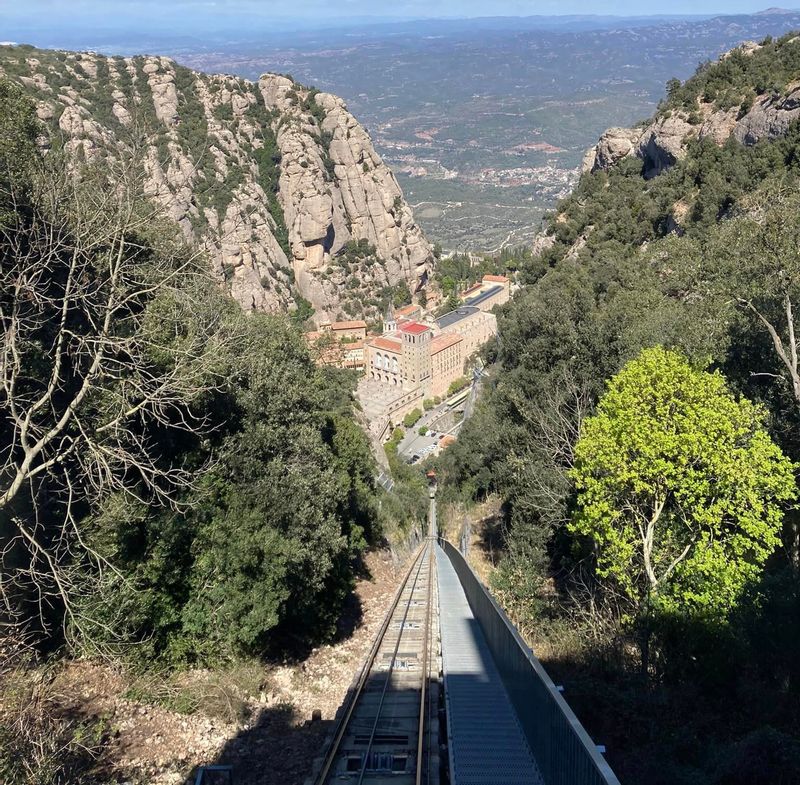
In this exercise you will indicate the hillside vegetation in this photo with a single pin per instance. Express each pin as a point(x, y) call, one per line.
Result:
point(180, 485)
point(273, 179)
point(667, 603)
point(151, 427)
point(741, 76)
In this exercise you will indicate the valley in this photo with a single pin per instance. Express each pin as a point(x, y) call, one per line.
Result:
point(484, 123)
point(359, 435)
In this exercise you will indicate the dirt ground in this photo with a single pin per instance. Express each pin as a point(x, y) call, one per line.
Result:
point(276, 743)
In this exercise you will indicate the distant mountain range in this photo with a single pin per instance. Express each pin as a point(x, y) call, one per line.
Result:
point(486, 120)
point(168, 29)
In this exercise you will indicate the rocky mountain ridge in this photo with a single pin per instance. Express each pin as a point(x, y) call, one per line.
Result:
point(663, 141)
point(279, 182)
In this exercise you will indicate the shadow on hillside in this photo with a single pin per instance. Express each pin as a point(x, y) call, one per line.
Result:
point(290, 648)
point(279, 749)
point(281, 746)
point(723, 703)
point(491, 540)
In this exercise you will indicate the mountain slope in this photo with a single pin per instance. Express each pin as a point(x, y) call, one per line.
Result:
point(278, 181)
point(713, 140)
point(696, 252)
point(751, 93)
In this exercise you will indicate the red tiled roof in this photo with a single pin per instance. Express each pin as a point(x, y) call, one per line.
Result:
point(496, 278)
point(406, 310)
point(387, 344)
point(442, 342)
point(356, 325)
point(415, 328)
point(471, 289)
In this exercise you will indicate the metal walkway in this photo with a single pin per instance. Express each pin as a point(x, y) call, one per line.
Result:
point(485, 740)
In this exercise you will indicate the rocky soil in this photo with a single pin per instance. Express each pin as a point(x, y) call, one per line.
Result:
point(275, 741)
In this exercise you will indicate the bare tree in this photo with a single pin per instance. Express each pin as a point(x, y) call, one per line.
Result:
point(762, 275)
point(95, 357)
point(762, 249)
point(552, 426)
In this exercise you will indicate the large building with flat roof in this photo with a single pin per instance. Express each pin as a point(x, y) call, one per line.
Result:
point(474, 325)
point(492, 290)
point(413, 360)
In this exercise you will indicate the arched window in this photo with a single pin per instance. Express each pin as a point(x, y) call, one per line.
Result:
point(394, 364)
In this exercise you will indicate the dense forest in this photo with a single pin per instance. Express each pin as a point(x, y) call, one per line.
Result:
point(641, 432)
point(180, 485)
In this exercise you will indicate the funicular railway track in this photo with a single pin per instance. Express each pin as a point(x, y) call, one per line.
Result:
point(387, 731)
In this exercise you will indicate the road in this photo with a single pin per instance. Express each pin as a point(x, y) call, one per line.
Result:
point(413, 443)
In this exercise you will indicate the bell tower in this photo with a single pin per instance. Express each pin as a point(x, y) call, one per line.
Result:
point(389, 322)
point(417, 355)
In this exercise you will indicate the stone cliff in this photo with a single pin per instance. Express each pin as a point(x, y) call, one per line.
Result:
point(663, 141)
point(335, 190)
point(277, 181)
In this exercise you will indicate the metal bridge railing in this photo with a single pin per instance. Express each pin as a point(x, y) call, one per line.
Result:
point(563, 749)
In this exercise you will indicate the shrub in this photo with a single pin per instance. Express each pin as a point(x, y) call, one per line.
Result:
point(457, 385)
point(412, 418)
point(37, 746)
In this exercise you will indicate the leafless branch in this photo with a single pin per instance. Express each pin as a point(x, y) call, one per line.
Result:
point(87, 373)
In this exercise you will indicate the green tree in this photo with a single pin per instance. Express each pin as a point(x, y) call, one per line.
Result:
point(261, 558)
point(450, 304)
point(401, 295)
point(755, 259)
point(303, 313)
point(680, 488)
point(457, 385)
point(411, 418)
point(19, 127)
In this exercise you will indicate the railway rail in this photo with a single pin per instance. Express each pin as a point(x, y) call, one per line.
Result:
point(388, 730)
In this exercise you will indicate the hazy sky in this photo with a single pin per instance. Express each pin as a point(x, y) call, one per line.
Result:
point(112, 12)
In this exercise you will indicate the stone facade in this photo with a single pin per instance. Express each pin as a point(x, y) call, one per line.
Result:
point(413, 360)
point(341, 330)
point(416, 361)
point(384, 360)
point(431, 356)
point(447, 363)
point(475, 326)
